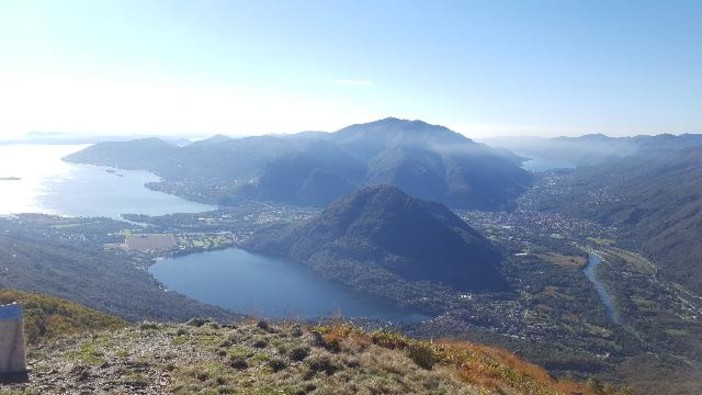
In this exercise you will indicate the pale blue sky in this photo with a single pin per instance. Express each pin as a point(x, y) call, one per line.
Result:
point(250, 67)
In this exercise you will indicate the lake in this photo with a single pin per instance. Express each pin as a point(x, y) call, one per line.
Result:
point(538, 164)
point(267, 287)
point(48, 185)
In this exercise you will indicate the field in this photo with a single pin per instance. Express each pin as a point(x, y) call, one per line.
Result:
point(150, 242)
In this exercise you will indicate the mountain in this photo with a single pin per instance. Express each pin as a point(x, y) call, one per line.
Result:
point(655, 202)
point(432, 162)
point(313, 168)
point(597, 148)
point(315, 175)
point(379, 236)
point(147, 154)
point(225, 161)
point(63, 138)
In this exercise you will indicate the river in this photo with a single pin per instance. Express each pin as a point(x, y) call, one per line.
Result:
point(591, 273)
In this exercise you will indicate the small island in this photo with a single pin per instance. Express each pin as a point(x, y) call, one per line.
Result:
point(113, 171)
point(10, 178)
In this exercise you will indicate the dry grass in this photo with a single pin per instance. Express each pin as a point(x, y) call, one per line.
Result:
point(150, 242)
point(259, 358)
point(491, 369)
point(570, 261)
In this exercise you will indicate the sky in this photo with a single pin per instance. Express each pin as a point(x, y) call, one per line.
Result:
point(482, 68)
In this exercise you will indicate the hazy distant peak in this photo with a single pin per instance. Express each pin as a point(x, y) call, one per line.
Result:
point(407, 130)
point(219, 137)
point(152, 139)
point(586, 137)
point(142, 143)
point(407, 124)
point(597, 137)
point(216, 139)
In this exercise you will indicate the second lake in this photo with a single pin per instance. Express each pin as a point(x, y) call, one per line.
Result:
point(267, 287)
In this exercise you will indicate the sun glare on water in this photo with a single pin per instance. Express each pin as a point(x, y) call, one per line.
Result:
point(24, 172)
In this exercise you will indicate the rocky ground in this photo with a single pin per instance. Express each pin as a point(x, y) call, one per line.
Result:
point(209, 359)
point(202, 357)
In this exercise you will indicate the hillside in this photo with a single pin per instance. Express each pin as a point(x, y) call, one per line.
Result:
point(56, 256)
point(47, 317)
point(428, 161)
point(261, 358)
point(380, 236)
point(655, 202)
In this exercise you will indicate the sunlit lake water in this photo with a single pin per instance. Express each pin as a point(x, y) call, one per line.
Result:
point(48, 185)
point(267, 287)
point(537, 164)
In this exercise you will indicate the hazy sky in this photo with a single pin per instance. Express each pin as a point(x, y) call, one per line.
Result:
point(487, 67)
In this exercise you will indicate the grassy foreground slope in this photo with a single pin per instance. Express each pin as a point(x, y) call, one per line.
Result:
point(259, 358)
point(81, 350)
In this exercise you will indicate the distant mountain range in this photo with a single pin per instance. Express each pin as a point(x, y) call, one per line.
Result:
point(314, 168)
point(61, 138)
point(595, 148)
point(381, 240)
point(655, 200)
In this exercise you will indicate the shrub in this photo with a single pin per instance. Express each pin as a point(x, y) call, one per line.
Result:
point(422, 355)
point(277, 365)
point(238, 363)
point(299, 353)
point(322, 364)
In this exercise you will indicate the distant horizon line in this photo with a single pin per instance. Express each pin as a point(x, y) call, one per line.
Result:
point(28, 137)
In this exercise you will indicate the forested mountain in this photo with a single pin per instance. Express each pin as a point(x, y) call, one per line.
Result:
point(427, 161)
point(380, 236)
point(655, 201)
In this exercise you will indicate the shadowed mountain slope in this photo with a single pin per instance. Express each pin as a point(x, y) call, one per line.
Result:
point(384, 229)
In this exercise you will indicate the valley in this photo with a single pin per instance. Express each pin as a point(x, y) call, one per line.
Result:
point(359, 197)
point(572, 290)
point(552, 314)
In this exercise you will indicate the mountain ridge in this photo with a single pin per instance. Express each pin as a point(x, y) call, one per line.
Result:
point(317, 168)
